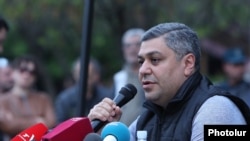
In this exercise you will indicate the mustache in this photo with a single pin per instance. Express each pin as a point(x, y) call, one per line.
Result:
point(148, 79)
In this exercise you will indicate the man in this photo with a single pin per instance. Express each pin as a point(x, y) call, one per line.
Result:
point(180, 101)
point(6, 81)
point(4, 28)
point(247, 72)
point(67, 101)
point(131, 42)
point(234, 63)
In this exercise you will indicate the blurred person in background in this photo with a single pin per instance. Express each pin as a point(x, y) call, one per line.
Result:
point(6, 81)
point(24, 106)
point(131, 42)
point(4, 28)
point(67, 102)
point(247, 72)
point(234, 63)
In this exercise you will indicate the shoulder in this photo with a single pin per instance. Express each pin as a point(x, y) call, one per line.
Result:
point(219, 109)
point(221, 84)
point(132, 129)
point(104, 91)
point(69, 92)
point(41, 95)
point(246, 85)
point(215, 110)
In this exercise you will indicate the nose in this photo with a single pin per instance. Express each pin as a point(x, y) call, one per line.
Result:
point(144, 69)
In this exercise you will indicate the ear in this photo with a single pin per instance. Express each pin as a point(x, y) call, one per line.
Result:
point(189, 63)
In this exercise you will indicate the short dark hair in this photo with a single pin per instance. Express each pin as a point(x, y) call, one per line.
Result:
point(3, 24)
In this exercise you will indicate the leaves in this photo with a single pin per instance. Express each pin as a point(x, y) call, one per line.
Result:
point(52, 30)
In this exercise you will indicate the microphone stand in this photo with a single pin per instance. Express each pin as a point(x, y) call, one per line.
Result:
point(85, 51)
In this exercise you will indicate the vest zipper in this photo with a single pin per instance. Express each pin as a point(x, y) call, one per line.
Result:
point(159, 127)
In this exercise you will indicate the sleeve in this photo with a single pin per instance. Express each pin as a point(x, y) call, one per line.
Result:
point(132, 130)
point(215, 110)
point(59, 109)
point(49, 116)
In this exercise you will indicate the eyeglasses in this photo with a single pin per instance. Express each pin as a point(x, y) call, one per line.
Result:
point(25, 69)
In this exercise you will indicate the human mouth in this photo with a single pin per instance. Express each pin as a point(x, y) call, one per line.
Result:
point(147, 84)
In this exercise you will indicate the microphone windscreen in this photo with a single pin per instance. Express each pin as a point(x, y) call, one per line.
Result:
point(33, 133)
point(126, 93)
point(93, 137)
point(73, 129)
point(116, 129)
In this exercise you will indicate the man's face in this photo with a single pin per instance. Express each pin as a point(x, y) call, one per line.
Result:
point(3, 34)
point(93, 76)
point(234, 72)
point(131, 48)
point(160, 73)
point(6, 81)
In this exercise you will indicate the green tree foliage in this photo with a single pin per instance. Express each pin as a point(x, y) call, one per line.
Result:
point(52, 30)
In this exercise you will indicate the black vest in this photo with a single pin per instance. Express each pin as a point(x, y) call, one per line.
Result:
point(174, 123)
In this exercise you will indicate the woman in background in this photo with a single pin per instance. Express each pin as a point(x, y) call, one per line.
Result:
point(24, 106)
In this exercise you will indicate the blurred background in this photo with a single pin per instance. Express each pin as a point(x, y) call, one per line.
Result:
point(52, 31)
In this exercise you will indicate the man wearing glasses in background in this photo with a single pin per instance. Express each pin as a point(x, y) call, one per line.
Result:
point(131, 42)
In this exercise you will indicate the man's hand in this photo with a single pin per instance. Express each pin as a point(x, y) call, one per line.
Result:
point(106, 110)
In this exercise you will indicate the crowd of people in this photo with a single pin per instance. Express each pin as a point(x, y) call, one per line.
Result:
point(174, 99)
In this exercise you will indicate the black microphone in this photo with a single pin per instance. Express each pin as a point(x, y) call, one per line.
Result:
point(93, 137)
point(126, 93)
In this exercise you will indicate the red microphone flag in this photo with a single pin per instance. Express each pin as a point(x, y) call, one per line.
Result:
point(33, 133)
point(73, 129)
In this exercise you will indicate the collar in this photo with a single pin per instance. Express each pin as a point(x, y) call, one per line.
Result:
point(182, 95)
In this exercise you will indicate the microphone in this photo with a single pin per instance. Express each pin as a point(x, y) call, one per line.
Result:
point(93, 137)
point(73, 129)
point(126, 93)
point(33, 133)
point(115, 131)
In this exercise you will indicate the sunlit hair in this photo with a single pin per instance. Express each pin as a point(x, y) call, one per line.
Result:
point(132, 32)
point(178, 37)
